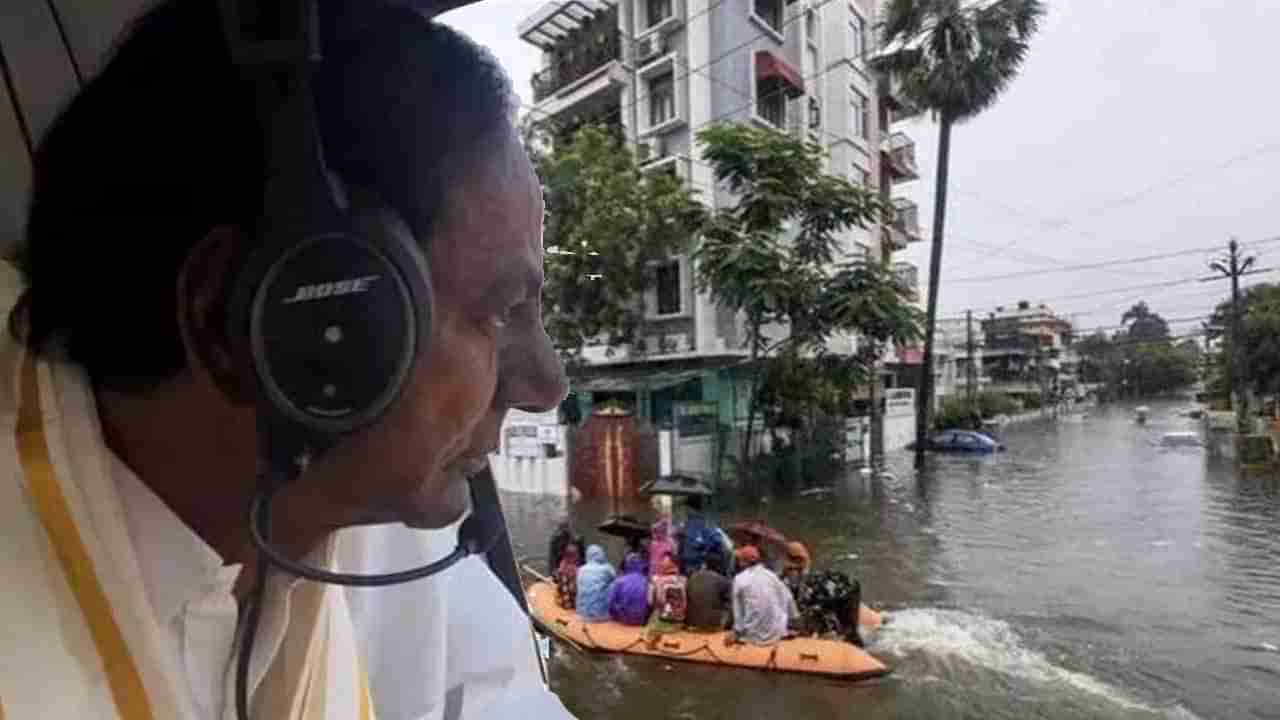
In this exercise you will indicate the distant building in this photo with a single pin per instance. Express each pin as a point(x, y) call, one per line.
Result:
point(1028, 352)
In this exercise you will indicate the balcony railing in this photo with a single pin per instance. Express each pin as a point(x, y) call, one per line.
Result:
point(589, 54)
point(894, 238)
point(908, 275)
point(900, 151)
point(907, 218)
point(900, 108)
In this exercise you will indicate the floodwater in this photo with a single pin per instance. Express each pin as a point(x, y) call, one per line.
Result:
point(1084, 573)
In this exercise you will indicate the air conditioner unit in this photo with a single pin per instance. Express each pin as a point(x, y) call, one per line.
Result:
point(648, 47)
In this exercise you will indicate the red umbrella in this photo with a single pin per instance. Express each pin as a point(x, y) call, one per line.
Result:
point(754, 533)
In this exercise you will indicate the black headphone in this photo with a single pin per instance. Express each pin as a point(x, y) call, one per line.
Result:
point(334, 301)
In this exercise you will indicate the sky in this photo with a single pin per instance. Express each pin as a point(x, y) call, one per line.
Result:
point(1136, 128)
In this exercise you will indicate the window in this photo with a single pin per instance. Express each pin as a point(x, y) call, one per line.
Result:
point(662, 99)
point(857, 36)
point(668, 288)
point(811, 26)
point(859, 119)
point(771, 102)
point(815, 114)
point(814, 67)
point(656, 11)
point(770, 11)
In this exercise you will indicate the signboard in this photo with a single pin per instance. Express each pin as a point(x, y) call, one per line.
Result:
point(527, 435)
point(899, 401)
point(696, 419)
point(523, 442)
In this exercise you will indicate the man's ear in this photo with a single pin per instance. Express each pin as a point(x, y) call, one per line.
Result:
point(204, 290)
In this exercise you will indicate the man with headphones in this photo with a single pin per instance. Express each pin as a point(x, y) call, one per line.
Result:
point(279, 284)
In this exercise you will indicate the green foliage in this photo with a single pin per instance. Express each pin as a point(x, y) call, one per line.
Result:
point(776, 257)
point(1142, 324)
point(956, 412)
point(1260, 330)
point(1141, 360)
point(955, 58)
point(607, 223)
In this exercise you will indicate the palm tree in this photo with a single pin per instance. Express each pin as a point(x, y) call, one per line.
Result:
point(953, 60)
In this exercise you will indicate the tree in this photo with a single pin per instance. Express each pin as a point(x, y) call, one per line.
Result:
point(953, 60)
point(608, 224)
point(775, 257)
point(1142, 324)
point(1140, 360)
point(1260, 331)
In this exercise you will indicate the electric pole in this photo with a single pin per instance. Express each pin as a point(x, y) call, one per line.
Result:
point(969, 373)
point(1232, 267)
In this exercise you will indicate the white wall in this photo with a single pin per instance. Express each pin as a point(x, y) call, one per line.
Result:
point(534, 476)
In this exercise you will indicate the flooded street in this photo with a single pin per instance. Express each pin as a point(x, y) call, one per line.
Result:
point(1084, 573)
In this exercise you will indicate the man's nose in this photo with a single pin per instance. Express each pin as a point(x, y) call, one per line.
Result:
point(532, 375)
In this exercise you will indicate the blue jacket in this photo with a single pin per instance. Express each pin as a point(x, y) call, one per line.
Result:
point(593, 586)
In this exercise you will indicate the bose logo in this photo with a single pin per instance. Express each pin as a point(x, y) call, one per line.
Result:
point(318, 291)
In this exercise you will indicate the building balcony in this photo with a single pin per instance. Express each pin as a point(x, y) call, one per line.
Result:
point(906, 219)
point(574, 68)
point(585, 55)
point(898, 151)
point(551, 27)
point(900, 108)
point(909, 276)
point(893, 238)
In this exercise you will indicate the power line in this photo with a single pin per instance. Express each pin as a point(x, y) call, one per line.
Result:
point(1097, 265)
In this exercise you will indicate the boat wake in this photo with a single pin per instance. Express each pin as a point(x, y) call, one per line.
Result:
point(959, 638)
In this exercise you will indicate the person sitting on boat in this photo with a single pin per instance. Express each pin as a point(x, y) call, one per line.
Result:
point(662, 542)
point(699, 537)
point(629, 594)
point(668, 596)
point(795, 566)
point(708, 594)
point(562, 538)
point(567, 578)
point(762, 605)
point(593, 586)
point(829, 601)
point(637, 547)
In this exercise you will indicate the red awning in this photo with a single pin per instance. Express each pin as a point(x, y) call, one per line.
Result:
point(910, 356)
point(769, 65)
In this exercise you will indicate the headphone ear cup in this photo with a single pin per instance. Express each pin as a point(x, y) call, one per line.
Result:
point(335, 320)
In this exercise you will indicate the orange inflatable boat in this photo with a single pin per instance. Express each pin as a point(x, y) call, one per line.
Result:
point(830, 658)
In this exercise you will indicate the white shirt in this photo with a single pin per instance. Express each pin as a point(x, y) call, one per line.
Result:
point(427, 658)
point(190, 589)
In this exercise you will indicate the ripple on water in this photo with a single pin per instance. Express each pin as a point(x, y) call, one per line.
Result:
point(983, 643)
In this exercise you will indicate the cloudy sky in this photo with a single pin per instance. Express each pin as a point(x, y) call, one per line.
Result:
point(1137, 128)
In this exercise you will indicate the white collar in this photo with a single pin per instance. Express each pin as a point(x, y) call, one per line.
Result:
point(177, 565)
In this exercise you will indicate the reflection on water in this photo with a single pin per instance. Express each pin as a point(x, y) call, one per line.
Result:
point(1087, 572)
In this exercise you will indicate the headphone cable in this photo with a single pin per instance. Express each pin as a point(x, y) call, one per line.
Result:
point(268, 555)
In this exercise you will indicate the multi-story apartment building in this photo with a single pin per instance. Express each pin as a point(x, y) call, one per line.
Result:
point(657, 71)
point(1028, 351)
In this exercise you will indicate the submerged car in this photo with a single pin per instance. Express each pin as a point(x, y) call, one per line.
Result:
point(963, 441)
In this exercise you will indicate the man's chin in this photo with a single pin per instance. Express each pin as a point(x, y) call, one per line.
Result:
point(438, 507)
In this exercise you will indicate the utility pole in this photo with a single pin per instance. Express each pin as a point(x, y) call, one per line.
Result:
point(969, 374)
point(1232, 267)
